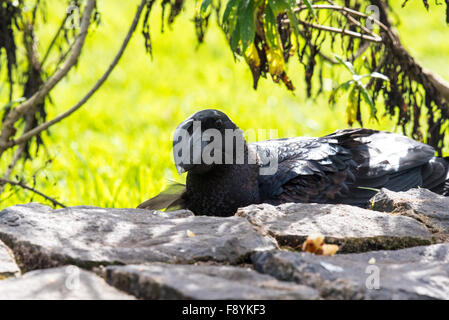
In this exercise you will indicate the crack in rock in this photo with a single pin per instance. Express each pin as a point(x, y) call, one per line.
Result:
point(353, 229)
point(87, 236)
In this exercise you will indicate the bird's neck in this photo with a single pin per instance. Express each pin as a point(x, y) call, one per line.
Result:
point(223, 189)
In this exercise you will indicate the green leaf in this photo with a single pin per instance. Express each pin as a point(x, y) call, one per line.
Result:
point(271, 26)
point(204, 6)
point(230, 23)
point(309, 6)
point(230, 7)
point(374, 75)
point(293, 20)
point(235, 36)
point(351, 109)
point(347, 64)
point(369, 188)
point(247, 26)
point(277, 6)
point(367, 97)
point(379, 75)
point(344, 86)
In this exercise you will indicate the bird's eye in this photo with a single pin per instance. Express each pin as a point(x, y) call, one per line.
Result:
point(218, 123)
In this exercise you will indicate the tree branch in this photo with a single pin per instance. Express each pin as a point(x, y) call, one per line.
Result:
point(53, 41)
point(24, 186)
point(426, 75)
point(17, 155)
point(439, 83)
point(8, 129)
point(28, 135)
point(341, 31)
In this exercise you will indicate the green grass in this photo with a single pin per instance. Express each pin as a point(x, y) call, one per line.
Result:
point(116, 150)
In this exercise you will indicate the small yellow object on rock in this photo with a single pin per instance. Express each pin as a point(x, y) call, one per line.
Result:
point(315, 244)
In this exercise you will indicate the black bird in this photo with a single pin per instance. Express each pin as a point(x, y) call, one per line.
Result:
point(347, 166)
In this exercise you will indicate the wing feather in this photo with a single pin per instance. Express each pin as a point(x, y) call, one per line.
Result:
point(347, 166)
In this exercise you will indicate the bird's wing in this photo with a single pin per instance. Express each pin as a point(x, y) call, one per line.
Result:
point(170, 199)
point(346, 166)
point(308, 169)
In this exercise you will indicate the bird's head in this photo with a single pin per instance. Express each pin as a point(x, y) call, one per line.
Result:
point(206, 139)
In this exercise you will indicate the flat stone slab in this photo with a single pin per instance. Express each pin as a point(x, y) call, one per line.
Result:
point(162, 281)
point(430, 208)
point(8, 266)
point(354, 229)
point(413, 273)
point(41, 237)
point(63, 283)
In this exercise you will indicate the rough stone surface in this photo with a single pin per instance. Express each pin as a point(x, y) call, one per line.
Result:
point(64, 283)
point(430, 208)
point(354, 229)
point(176, 255)
point(8, 266)
point(413, 273)
point(162, 281)
point(87, 236)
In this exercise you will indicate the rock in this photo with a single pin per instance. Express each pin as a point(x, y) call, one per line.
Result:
point(8, 266)
point(413, 273)
point(430, 208)
point(162, 281)
point(41, 237)
point(354, 229)
point(64, 283)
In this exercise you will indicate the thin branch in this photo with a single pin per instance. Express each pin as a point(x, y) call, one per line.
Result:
point(17, 155)
point(341, 8)
point(62, 57)
point(28, 135)
point(439, 83)
point(347, 10)
point(356, 22)
point(34, 66)
point(53, 41)
point(24, 186)
point(8, 129)
point(337, 30)
point(363, 47)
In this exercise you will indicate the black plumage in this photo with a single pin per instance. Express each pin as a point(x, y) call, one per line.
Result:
point(347, 166)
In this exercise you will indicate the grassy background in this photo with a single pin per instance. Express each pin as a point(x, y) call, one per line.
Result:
point(116, 150)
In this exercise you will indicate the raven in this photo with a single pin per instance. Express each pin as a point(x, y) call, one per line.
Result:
point(224, 172)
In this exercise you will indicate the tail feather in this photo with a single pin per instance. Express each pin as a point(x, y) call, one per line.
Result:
point(170, 199)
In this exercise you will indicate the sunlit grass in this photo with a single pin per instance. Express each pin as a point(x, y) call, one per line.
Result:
point(116, 150)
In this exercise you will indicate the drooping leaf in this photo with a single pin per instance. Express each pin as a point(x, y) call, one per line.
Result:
point(351, 109)
point(347, 64)
point(379, 75)
point(293, 20)
point(247, 25)
point(342, 87)
point(271, 30)
point(235, 36)
point(369, 100)
point(204, 6)
point(230, 7)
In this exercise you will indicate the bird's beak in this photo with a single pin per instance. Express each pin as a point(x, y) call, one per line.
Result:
point(180, 169)
point(184, 143)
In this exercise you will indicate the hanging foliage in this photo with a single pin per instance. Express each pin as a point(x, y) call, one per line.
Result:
point(268, 33)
